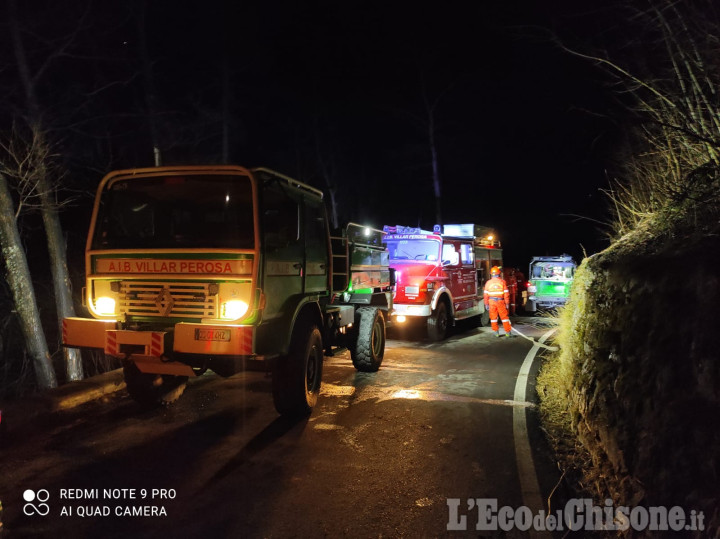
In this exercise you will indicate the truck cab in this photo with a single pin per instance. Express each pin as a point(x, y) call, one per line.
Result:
point(439, 275)
point(550, 280)
point(221, 268)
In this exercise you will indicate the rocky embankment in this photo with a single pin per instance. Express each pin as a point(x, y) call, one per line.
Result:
point(633, 397)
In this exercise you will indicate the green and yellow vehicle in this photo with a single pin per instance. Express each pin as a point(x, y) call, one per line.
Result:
point(550, 280)
point(226, 268)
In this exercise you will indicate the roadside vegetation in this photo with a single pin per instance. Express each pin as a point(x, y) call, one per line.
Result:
point(630, 401)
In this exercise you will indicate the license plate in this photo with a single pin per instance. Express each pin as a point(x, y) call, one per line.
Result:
point(412, 289)
point(212, 335)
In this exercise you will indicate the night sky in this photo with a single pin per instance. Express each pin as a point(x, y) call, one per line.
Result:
point(522, 137)
point(517, 149)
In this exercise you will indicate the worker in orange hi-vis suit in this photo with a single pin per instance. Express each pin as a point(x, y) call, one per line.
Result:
point(497, 301)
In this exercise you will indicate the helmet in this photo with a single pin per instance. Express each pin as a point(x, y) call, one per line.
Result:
point(495, 271)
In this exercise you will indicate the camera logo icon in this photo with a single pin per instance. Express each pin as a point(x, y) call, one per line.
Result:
point(41, 508)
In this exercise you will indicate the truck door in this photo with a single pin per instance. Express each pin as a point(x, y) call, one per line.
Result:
point(469, 275)
point(283, 249)
point(316, 247)
point(453, 269)
point(464, 280)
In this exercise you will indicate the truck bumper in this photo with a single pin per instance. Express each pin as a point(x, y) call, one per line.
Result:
point(212, 340)
point(551, 303)
point(149, 349)
point(404, 309)
point(85, 332)
point(533, 303)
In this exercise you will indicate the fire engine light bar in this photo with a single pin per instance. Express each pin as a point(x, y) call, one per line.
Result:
point(459, 230)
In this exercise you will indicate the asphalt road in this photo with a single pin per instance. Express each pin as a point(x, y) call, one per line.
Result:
point(379, 457)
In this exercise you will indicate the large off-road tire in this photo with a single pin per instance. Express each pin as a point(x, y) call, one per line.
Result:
point(368, 348)
point(437, 324)
point(150, 390)
point(297, 377)
point(485, 318)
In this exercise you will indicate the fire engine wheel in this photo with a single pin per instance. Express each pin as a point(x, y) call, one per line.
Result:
point(297, 377)
point(368, 349)
point(437, 324)
point(150, 390)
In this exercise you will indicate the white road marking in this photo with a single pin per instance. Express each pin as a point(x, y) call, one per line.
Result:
point(529, 486)
point(552, 348)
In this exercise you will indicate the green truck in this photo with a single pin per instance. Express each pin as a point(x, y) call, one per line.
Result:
point(227, 268)
point(550, 280)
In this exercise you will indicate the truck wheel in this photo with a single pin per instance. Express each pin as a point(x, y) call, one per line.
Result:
point(150, 390)
point(437, 324)
point(485, 318)
point(369, 347)
point(297, 377)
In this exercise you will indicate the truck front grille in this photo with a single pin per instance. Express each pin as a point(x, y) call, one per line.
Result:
point(167, 299)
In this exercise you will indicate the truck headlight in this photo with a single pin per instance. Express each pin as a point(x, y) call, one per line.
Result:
point(103, 297)
point(105, 306)
point(233, 309)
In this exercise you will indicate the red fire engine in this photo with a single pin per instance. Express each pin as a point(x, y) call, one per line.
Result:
point(439, 275)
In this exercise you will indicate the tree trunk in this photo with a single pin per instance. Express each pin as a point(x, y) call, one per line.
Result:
point(60, 274)
point(149, 85)
point(51, 219)
point(328, 172)
point(334, 209)
point(225, 112)
point(430, 109)
point(21, 287)
point(435, 171)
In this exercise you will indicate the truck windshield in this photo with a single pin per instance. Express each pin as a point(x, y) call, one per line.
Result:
point(413, 249)
point(554, 271)
point(201, 211)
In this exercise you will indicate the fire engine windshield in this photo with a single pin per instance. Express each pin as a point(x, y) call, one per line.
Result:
point(202, 211)
point(413, 249)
